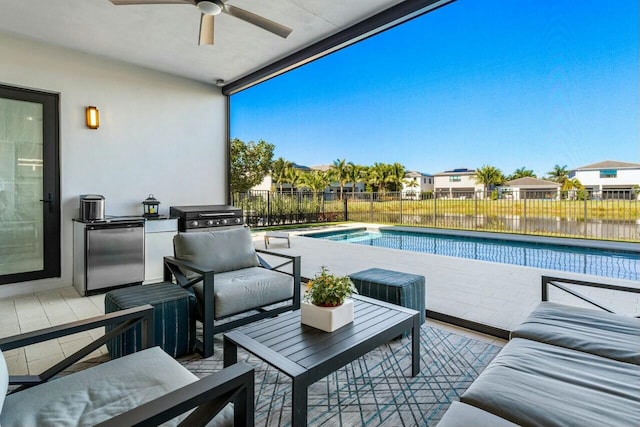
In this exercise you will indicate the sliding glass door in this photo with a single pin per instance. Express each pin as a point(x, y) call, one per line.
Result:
point(29, 185)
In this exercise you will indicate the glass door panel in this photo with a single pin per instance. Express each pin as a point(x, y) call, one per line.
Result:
point(29, 182)
point(21, 243)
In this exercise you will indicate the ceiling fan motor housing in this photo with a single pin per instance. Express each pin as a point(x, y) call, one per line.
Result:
point(213, 7)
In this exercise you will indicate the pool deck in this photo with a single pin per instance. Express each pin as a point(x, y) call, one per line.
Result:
point(494, 294)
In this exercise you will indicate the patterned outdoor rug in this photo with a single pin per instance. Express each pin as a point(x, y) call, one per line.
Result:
point(375, 390)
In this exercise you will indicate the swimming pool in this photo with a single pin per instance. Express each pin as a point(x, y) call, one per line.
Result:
point(599, 262)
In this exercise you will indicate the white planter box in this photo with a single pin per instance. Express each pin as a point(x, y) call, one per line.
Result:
point(327, 319)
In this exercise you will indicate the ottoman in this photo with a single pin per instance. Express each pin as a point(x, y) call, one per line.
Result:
point(174, 322)
point(407, 290)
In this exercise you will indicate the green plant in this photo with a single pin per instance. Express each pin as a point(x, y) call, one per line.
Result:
point(329, 290)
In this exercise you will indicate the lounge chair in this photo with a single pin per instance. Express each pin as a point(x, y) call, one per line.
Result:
point(147, 388)
point(231, 281)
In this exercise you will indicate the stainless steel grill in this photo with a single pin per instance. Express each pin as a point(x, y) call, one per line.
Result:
point(206, 217)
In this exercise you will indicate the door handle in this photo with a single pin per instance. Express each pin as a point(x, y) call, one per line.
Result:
point(49, 198)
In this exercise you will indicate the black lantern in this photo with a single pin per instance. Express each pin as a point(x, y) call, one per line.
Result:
point(150, 207)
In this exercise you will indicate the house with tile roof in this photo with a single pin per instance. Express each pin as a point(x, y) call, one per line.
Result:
point(529, 188)
point(415, 183)
point(609, 179)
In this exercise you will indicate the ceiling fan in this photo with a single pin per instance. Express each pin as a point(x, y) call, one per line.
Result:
point(209, 9)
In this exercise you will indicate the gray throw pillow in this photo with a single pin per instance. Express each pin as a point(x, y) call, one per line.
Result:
point(224, 250)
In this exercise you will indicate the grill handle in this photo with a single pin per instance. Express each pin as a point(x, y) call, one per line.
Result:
point(218, 215)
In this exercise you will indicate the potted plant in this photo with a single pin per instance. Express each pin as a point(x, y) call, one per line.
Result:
point(326, 305)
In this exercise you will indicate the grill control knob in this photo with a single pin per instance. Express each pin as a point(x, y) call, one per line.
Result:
point(237, 220)
point(224, 221)
point(210, 222)
point(194, 224)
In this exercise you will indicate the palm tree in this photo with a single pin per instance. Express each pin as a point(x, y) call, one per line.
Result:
point(279, 171)
point(377, 177)
point(411, 184)
point(488, 176)
point(293, 177)
point(315, 180)
point(355, 174)
point(559, 174)
point(396, 176)
point(521, 173)
point(339, 173)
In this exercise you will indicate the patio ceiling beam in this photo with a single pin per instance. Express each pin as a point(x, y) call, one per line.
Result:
point(382, 21)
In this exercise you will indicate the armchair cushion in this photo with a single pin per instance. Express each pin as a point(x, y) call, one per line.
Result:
point(246, 289)
point(4, 380)
point(97, 394)
point(221, 251)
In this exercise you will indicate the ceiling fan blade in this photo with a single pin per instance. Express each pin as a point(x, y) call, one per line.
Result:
point(206, 29)
point(259, 21)
point(128, 2)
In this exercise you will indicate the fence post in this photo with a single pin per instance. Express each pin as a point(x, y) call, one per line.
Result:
point(585, 218)
point(268, 208)
point(400, 196)
point(475, 210)
point(524, 211)
point(346, 208)
point(435, 206)
point(371, 207)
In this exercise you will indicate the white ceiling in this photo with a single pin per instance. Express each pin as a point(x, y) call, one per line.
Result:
point(165, 37)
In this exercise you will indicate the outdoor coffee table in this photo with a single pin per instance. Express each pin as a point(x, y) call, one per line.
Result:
point(307, 354)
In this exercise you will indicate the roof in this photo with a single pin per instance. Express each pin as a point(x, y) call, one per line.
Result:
point(460, 171)
point(322, 168)
point(530, 181)
point(415, 174)
point(610, 164)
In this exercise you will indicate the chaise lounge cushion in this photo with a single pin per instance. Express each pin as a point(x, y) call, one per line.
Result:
point(221, 251)
point(241, 290)
point(535, 384)
point(97, 394)
point(597, 332)
point(463, 415)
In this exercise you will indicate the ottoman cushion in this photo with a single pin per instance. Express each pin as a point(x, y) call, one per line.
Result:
point(173, 318)
point(395, 287)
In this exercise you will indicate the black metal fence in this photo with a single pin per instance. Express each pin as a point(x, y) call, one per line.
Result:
point(569, 214)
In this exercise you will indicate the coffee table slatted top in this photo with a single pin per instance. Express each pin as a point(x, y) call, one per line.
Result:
point(284, 337)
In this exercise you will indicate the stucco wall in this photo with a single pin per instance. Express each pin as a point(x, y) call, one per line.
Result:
point(158, 134)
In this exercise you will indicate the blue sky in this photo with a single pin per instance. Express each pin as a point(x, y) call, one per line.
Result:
point(509, 83)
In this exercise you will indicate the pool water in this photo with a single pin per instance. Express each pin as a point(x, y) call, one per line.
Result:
point(599, 262)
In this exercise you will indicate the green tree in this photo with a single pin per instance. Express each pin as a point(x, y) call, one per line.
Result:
point(250, 163)
point(488, 176)
point(521, 173)
point(315, 180)
point(339, 173)
point(377, 177)
point(559, 174)
point(395, 177)
point(293, 177)
point(355, 174)
point(279, 171)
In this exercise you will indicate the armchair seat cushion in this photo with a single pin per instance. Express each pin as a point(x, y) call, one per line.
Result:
point(246, 289)
point(97, 394)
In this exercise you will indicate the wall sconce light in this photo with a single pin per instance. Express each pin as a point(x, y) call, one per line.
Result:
point(93, 117)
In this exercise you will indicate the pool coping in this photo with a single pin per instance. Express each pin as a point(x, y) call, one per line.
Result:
point(559, 241)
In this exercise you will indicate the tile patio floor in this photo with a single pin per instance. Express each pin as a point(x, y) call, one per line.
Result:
point(499, 295)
